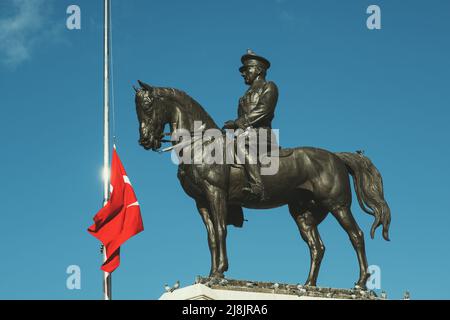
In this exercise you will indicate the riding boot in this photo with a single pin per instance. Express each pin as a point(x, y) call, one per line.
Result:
point(255, 189)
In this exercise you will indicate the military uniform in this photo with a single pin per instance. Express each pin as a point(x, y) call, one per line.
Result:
point(256, 110)
point(257, 106)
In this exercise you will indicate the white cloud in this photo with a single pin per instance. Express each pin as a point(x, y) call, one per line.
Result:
point(21, 30)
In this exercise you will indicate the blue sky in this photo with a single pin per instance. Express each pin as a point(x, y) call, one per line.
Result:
point(342, 87)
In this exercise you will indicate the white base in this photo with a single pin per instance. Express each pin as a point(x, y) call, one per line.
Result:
point(201, 292)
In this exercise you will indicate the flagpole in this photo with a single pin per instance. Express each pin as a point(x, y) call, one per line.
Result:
point(106, 32)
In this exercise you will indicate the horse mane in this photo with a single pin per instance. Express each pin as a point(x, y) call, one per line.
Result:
point(187, 103)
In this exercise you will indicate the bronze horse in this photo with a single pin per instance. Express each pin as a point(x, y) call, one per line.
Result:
point(311, 181)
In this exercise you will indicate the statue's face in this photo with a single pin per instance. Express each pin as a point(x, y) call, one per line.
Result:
point(150, 129)
point(249, 74)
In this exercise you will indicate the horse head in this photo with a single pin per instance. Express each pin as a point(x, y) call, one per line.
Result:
point(150, 116)
point(156, 107)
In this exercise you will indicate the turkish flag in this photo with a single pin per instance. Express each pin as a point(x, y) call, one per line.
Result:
point(120, 218)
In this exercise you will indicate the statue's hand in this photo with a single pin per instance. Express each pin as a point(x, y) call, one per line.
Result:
point(230, 124)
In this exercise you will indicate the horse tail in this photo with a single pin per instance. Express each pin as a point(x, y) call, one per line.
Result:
point(369, 189)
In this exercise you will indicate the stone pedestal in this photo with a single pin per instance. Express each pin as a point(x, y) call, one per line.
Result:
point(228, 289)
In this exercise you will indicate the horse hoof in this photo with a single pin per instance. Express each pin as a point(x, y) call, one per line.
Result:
point(217, 275)
point(359, 286)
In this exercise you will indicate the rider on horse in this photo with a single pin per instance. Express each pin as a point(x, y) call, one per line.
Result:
point(256, 111)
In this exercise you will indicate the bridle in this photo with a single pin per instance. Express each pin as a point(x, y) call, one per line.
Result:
point(182, 144)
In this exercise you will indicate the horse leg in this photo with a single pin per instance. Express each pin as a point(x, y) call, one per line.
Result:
point(307, 225)
point(212, 238)
point(347, 221)
point(218, 205)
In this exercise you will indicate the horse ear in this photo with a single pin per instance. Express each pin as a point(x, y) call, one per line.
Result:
point(145, 86)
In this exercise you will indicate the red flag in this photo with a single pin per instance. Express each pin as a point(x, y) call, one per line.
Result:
point(120, 218)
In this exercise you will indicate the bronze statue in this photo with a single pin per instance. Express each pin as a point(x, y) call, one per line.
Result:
point(256, 110)
point(311, 181)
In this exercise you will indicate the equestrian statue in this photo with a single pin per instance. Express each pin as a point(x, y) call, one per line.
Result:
point(312, 182)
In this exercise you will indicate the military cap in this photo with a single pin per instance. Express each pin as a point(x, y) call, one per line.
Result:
point(252, 59)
